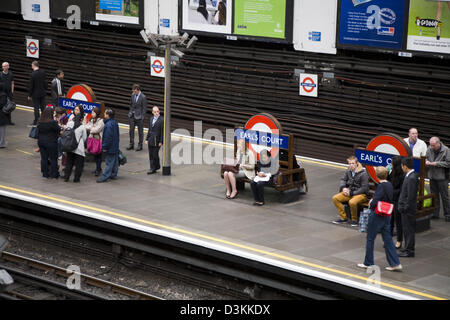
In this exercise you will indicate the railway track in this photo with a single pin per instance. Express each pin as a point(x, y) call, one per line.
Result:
point(28, 286)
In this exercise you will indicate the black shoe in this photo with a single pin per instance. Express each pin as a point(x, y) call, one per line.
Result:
point(130, 147)
point(12, 124)
point(139, 148)
point(340, 221)
point(435, 218)
point(101, 180)
point(405, 254)
point(447, 219)
point(354, 223)
point(151, 172)
point(97, 173)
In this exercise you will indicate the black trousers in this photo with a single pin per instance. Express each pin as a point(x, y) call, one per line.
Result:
point(440, 189)
point(73, 159)
point(38, 104)
point(140, 124)
point(396, 220)
point(258, 190)
point(153, 154)
point(49, 151)
point(409, 231)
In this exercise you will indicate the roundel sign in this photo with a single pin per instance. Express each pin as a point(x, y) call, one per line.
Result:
point(308, 85)
point(379, 152)
point(32, 48)
point(263, 123)
point(81, 92)
point(157, 67)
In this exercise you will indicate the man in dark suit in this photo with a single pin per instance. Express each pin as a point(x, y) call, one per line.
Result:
point(136, 115)
point(154, 139)
point(8, 79)
point(57, 88)
point(407, 206)
point(37, 90)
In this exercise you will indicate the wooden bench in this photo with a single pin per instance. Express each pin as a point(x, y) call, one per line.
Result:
point(290, 181)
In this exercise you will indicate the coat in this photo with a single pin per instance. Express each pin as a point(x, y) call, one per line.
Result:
point(155, 134)
point(407, 202)
point(95, 129)
point(138, 108)
point(81, 136)
point(4, 120)
point(442, 160)
point(37, 86)
point(111, 136)
point(359, 184)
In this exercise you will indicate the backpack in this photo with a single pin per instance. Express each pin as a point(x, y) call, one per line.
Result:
point(68, 140)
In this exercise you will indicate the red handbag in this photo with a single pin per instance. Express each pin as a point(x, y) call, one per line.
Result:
point(384, 208)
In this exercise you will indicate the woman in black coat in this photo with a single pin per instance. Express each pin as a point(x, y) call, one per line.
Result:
point(396, 177)
point(48, 143)
point(4, 121)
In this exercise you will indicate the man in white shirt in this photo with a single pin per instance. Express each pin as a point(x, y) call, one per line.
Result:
point(417, 146)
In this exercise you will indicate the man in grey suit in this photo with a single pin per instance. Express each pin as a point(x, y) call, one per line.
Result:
point(407, 206)
point(136, 115)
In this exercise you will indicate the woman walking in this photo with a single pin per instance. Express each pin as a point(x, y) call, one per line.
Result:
point(76, 157)
point(95, 128)
point(380, 224)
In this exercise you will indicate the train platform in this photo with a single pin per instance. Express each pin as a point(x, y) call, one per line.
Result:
point(191, 205)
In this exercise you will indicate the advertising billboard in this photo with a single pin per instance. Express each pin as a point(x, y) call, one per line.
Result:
point(315, 26)
point(118, 11)
point(36, 10)
point(212, 16)
point(261, 18)
point(372, 23)
point(429, 26)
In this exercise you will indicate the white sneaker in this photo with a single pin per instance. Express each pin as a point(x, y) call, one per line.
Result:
point(395, 268)
point(362, 265)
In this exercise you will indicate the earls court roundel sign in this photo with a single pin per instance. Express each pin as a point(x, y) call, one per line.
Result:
point(157, 67)
point(33, 48)
point(81, 94)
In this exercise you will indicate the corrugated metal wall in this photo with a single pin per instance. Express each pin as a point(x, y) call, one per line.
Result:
point(223, 83)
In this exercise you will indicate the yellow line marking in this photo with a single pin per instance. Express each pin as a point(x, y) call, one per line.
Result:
point(26, 152)
point(233, 244)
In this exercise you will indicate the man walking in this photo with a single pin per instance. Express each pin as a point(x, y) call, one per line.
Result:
point(407, 206)
point(57, 88)
point(37, 89)
point(418, 147)
point(110, 145)
point(154, 139)
point(438, 165)
point(136, 115)
point(8, 81)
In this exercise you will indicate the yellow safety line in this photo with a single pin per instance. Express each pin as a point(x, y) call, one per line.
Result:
point(198, 235)
point(26, 152)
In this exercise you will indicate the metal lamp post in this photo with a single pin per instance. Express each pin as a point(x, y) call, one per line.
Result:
point(168, 42)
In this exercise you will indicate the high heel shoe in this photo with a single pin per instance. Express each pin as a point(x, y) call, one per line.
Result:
point(232, 197)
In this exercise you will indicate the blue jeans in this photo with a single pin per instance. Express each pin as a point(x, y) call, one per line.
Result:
point(378, 224)
point(111, 166)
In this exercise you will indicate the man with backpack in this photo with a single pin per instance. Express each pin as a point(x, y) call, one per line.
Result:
point(110, 145)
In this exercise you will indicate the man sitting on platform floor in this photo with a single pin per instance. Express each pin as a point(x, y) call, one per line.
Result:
point(354, 189)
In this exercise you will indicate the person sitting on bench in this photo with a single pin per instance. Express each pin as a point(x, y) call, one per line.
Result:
point(266, 170)
point(354, 189)
point(246, 162)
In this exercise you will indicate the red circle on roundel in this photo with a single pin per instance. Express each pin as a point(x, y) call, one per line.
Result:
point(260, 118)
point(30, 45)
point(81, 89)
point(157, 70)
point(306, 88)
point(385, 139)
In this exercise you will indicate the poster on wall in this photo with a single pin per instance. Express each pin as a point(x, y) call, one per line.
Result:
point(315, 26)
point(36, 10)
point(261, 18)
point(207, 15)
point(372, 23)
point(58, 9)
point(120, 11)
point(429, 26)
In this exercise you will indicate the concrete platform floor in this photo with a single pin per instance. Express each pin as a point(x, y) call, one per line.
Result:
point(193, 199)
